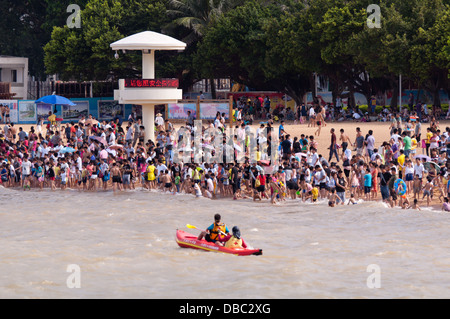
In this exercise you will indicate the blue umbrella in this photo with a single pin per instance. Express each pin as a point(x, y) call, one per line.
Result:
point(67, 150)
point(55, 99)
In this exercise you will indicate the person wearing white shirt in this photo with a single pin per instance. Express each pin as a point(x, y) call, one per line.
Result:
point(313, 157)
point(79, 162)
point(64, 165)
point(112, 137)
point(307, 175)
point(217, 123)
point(370, 143)
point(159, 121)
point(348, 153)
point(26, 171)
point(129, 149)
point(376, 156)
point(129, 135)
point(160, 168)
point(395, 136)
point(209, 185)
point(418, 168)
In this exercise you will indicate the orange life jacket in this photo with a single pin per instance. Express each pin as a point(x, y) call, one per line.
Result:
point(214, 233)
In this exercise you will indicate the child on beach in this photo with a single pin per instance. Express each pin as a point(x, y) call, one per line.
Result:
point(446, 205)
point(367, 184)
point(417, 186)
point(415, 205)
point(352, 200)
point(409, 176)
point(334, 198)
point(177, 182)
point(428, 191)
point(355, 181)
point(404, 202)
point(197, 190)
point(63, 176)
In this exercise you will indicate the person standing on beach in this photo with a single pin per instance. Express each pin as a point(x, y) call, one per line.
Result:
point(345, 141)
point(392, 191)
point(367, 184)
point(26, 172)
point(333, 146)
point(319, 122)
point(407, 143)
point(137, 131)
point(359, 142)
point(312, 117)
point(370, 144)
point(190, 119)
point(129, 134)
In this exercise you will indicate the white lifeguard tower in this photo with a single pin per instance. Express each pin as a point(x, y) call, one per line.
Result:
point(148, 91)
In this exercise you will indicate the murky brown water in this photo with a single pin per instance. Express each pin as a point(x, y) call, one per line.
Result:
point(125, 248)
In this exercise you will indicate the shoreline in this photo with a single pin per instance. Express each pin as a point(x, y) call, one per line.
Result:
point(434, 207)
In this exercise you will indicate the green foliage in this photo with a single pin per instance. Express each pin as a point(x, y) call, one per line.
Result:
point(85, 54)
point(277, 44)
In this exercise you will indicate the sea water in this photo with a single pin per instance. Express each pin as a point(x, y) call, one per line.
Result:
point(70, 244)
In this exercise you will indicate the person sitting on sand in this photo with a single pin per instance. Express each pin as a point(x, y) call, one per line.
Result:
point(352, 200)
point(446, 205)
point(415, 205)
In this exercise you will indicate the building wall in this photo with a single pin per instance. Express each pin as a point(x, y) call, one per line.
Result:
point(8, 64)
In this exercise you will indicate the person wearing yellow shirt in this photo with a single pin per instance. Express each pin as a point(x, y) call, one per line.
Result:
point(258, 154)
point(235, 240)
point(51, 118)
point(401, 162)
point(151, 177)
point(428, 140)
point(315, 194)
point(414, 145)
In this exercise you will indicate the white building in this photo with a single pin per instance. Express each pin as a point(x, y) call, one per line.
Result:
point(14, 70)
point(148, 91)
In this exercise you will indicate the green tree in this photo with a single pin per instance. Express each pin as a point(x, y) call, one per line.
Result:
point(85, 54)
point(196, 16)
point(238, 46)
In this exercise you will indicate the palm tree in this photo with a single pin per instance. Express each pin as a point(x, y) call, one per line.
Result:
point(196, 16)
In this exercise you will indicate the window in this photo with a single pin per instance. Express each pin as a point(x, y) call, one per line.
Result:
point(13, 75)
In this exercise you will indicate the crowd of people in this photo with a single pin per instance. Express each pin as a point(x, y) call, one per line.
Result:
point(260, 108)
point(89, 155)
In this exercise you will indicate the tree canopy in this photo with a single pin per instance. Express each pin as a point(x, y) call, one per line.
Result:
point(265, 44)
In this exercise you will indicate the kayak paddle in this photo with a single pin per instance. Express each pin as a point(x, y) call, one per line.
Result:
point(192, 227)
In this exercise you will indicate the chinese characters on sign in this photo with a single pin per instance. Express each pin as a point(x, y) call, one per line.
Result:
point(151, 83)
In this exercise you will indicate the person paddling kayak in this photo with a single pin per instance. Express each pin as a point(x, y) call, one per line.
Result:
point(235, 240)
point(212, 232)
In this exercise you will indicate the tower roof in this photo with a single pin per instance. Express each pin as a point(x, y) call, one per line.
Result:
point(148, 40)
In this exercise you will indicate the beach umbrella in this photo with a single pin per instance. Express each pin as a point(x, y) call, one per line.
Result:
point(116, 147)
point(113, 152)
point(55, 99)
point(67, 150)
point(421, 157)
point(428, 165)
point(99, 139)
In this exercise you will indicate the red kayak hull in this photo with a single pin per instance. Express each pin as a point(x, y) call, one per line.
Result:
point(186, 240)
